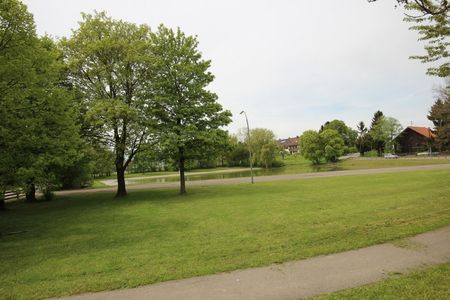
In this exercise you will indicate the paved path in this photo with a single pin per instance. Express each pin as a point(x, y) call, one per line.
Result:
point(266, 178)
point(300, 279)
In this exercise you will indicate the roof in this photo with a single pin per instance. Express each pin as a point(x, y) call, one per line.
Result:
point(426, 132)
point(289, 141)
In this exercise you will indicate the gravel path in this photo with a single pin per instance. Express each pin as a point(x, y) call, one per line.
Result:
point(299, 279)
point(265, 178)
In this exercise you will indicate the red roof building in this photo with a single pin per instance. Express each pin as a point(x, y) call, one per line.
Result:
point(415, 139)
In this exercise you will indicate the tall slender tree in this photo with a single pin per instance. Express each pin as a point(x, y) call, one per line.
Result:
point(190, 118)
point(440, 116)
point(363, 140)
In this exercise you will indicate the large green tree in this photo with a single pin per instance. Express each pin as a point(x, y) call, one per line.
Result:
point(348, 134)
point(38, 134)
point(325, 145)
point(189, 116)
point(17, 43)
point(110, 63)
point(386, 130)
point(333, 144)
point(264, 147)
point(431, 20)
point(311, 146)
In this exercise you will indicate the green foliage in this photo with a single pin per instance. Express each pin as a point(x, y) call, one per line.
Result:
point(189, 116)
point(434, 29)
point(385, 131)
point(377, 144)
point(264, 147)
point(109, 63)
point(332, 143)
point(432, 23)
point(328, 145)
point(39, 136)
point(311, 146)
point(237, 154)
point(440, 116)
point(147, 160)
point(430, 283)
point(348, 134)
point(102, 161)
point(364, 140)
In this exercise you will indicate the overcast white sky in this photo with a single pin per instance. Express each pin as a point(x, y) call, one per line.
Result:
point(291, 65)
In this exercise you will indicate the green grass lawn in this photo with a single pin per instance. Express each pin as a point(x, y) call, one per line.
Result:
point(431, 283)
point(92, 242)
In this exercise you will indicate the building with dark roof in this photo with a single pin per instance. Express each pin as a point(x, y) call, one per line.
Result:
point(415, 139)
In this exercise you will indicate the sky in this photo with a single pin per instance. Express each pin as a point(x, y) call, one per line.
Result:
point(291, 65)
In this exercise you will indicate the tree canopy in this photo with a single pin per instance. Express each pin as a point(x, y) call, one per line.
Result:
point(264, 147)
point(110, 62)
point(189, 116)
point(328, 145)
point(348, 134)
point(38, 134)
point(431, 20)
point(385, 131)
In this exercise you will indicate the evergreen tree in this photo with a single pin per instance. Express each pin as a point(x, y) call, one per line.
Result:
point(440, 116)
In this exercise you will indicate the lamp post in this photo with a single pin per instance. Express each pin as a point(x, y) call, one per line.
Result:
point(249, 146)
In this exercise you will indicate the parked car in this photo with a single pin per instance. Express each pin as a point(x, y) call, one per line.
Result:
point(390, 155)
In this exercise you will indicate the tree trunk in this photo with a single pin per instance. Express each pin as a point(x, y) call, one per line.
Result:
point(2, 203)
point(30, 195)
point(181, 167)
point(120, 169)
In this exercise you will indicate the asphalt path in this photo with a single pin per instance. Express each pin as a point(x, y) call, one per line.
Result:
point(299, 279)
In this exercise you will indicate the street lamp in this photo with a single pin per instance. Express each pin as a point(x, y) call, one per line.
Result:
point(249, 147)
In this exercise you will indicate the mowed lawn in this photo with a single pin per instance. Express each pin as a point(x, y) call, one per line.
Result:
point(431, 284)
point(92, 242)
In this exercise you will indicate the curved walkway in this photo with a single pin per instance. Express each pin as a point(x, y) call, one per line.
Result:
point(300, 279)
point(265, 178)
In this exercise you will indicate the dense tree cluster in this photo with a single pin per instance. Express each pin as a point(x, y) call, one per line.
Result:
point(335, 139)
point(38, 134)
point(92, 101)
point(325, 145)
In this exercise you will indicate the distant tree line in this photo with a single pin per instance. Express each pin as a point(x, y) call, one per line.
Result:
point(335, 139)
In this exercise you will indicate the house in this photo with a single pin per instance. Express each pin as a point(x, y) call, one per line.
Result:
point(290, 144)
point(415, 139)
